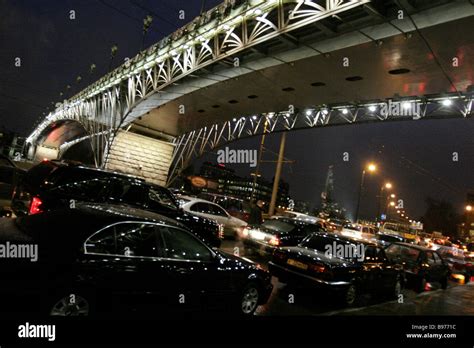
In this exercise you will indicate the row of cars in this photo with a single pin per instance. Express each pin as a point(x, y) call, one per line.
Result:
point(306, 253)
point(110, 243)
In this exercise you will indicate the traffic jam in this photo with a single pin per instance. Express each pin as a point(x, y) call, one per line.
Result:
point(80, 241)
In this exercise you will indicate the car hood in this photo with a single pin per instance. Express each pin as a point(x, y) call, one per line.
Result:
point(238, 261)
point(311, 255)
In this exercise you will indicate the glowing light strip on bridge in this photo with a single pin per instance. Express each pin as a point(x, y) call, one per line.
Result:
point(200, 141)
point(227, 29)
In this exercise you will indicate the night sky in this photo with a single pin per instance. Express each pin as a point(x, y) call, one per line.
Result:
point(415, 156)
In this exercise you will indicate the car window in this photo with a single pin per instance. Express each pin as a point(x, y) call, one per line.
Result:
point(201, 207)
point(162, 197)
point(437, 259)
point(429, 258)
point(216, 210)
point(381, 257)
point(402, 252)
point(370, 254)
point(180, 245)
point(133, 239)
point(127, 191)
point(102, 242)
point(92, 189)
point(126, 239)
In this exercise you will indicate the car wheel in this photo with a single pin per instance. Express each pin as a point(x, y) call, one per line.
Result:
point(249, 299)
point(70, 305)
point(351, 295)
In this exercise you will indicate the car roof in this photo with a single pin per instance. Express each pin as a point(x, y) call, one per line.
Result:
point(195, 199)
point(80, 166)
point(86, 217)
point(414, 246)
point(348, 239)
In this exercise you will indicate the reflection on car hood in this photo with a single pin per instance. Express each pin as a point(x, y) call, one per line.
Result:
point(318, 256)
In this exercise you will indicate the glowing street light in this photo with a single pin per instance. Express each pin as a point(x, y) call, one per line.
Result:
point(392, 204)
point(469, 207)
point(388, 185)
point(392, 195)
point(371, 168)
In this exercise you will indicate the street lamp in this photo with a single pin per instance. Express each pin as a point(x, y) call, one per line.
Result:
point(386, 186)
point(371, 168)
point(468, 207)
point(392, 195)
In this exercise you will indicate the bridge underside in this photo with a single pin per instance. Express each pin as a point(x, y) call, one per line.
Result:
point(348, 61)
point(400, 66)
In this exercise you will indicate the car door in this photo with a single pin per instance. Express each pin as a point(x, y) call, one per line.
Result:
point(388, 271)
point(196, 273)
point(372, 275)
point(433, 272)
point(123, 262)
point(441, 267)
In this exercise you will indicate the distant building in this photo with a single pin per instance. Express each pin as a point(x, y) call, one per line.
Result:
point(217, 178)
point(303, 207)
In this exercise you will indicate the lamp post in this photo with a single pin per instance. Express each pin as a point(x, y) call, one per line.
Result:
point(371, 167)
point(386, 186)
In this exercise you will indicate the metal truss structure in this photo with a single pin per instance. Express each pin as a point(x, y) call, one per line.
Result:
point(234, 26)
point(194, 144)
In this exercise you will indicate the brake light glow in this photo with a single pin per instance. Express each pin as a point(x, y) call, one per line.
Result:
point(317, 268)
point(35, 206)
point(275, 241)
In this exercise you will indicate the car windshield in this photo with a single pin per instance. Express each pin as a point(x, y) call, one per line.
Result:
point(402, 252)
point(352, 227)
point(323, 244)
point(278, 225)
point(163, 197)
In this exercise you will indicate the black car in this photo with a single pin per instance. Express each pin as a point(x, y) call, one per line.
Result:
point(345, 267)
point(276, 232)
point(54, 185)
point(422, 266)
point(9, 175)
point(106, 259)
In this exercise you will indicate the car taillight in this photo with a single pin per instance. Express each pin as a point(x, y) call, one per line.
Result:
point(317, 268)
point(275, 241)
point(221, 231)
point(35, 206)
point(468, 264)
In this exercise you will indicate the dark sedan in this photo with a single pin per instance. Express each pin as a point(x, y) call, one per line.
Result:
point(459, 262)
point(276, 232)
point(55, 185)
point(9, 175)
point(422, 266)
point(104, 259)
point(346, 267)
